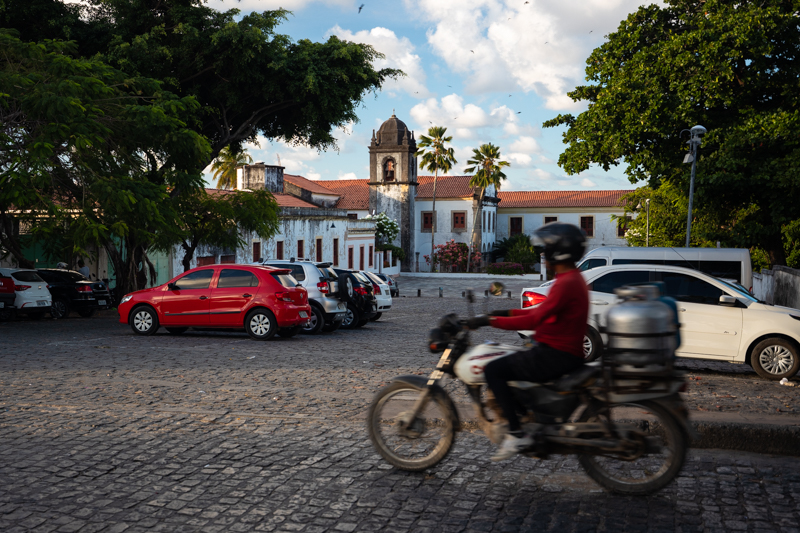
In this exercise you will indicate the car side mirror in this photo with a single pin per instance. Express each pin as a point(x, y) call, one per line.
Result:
point(172, 286)
point(727, 301)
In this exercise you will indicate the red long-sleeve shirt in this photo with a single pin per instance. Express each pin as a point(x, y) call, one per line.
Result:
point(560, 320)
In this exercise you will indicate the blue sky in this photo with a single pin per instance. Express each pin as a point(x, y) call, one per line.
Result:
point(488, 70)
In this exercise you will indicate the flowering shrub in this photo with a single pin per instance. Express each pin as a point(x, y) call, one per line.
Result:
point(506, 269)
point(453, 256)
point(386, 229)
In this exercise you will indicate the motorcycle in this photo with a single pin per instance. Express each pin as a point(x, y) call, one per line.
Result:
point(623, 415)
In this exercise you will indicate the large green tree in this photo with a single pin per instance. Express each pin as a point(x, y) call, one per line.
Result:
point(487, 170)
point(225, 165)
point(435, 156)
point(89, 154)
point(728, 65)
point(219, 220)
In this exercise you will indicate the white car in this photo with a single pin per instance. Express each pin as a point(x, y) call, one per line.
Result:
point(719, 320)
point(383, 293)
point(32, 296)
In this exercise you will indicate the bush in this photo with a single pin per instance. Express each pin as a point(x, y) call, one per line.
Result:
point(453, 256)
point(506, 269)
point(522, 252)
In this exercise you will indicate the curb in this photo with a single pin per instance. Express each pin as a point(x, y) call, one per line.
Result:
point(756, 438)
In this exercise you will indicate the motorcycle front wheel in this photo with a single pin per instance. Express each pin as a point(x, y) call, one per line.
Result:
point(655, 457)
point(419, 444)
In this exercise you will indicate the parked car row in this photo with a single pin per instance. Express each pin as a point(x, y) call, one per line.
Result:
point(265, 299)
point(49, 290)
point(720, 319)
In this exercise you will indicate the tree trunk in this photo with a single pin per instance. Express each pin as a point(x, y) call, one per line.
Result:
point(12, 244)
point(188, 255)
point(477, 225)
point(433, 219)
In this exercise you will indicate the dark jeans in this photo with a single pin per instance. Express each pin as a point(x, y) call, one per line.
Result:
point(537, 365)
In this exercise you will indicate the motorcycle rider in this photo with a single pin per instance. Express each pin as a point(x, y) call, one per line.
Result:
point(559, 323)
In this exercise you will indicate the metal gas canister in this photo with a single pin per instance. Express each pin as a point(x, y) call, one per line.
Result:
point(641, 331)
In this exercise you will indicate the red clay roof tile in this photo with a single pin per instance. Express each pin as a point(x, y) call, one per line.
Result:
point(446, 187)
point(561, 198)
point(353, 194)
point(307, 184)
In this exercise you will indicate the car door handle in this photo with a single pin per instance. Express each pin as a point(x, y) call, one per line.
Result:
point(204, 297)
point(247, 295)
point(682, 309)
point(598, 302)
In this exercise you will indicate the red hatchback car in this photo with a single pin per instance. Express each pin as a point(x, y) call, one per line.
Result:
point(262, 300)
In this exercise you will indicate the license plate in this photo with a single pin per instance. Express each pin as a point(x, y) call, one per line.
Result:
point(303, 314)
point(42, 303)
point(101, 302)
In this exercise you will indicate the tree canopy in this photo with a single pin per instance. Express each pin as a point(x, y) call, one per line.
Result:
point(730, 66)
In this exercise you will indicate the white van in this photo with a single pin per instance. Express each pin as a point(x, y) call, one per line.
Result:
point(728, 263)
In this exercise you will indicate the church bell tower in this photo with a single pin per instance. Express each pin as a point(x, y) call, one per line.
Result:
point(393, 180)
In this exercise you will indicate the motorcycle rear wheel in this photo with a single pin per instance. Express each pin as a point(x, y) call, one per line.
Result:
point(641, 473)
point(425, 442)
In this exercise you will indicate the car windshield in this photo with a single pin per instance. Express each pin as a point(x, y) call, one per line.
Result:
point(286, 280)
point(26, 275)
point(73, 276)
point(374, 278)
point(361, 277)
point(740, 291)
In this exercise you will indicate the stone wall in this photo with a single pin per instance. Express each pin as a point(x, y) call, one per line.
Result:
point(779, 286)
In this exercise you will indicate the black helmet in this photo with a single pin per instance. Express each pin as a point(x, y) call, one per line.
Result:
point(560, 242)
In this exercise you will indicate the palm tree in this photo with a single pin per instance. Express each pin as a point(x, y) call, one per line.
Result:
point(224, 167)
point(487, 168)
point(435, 157)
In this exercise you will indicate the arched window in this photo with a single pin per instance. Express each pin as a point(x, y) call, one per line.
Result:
point(388, 170)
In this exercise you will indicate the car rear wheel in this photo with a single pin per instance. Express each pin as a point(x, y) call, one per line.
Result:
point(376, 317)
point(260, 324)
point(176, 331)
point(351, 317)
point(775, 358)
point(316, 321)
point(144, 321)
point(60, 308)
point(86, 313)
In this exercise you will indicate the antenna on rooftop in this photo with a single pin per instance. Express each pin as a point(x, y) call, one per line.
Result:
point(279, 159)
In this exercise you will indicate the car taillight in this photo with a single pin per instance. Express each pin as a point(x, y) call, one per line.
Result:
point(360, 290)
point(323, 287)
point(283, 296)
point(377, 288)
point(21, 287)
point(84, 288)
point(529, 299)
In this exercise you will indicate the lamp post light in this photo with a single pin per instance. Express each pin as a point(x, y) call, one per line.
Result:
point(647, 227)
point(694, 145)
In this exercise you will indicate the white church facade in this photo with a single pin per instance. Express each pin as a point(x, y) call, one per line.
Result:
point(325, 220)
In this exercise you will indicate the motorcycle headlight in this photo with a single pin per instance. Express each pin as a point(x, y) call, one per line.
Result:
point(126, 298)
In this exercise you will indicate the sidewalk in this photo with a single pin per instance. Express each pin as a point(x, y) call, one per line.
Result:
point(452, 286)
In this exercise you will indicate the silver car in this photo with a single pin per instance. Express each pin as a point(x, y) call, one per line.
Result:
point(327, 311)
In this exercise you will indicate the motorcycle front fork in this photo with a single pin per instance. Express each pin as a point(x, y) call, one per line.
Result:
point(425, 394)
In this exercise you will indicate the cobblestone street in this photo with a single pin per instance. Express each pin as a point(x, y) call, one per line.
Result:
point(101, 430)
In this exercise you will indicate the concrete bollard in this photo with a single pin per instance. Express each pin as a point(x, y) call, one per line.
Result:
point(509, 295)
point(419, 293)
point(441, 292)
point(486, 293)
point(463, 293)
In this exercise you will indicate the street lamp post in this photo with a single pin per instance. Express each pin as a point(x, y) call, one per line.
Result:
point(691, 157)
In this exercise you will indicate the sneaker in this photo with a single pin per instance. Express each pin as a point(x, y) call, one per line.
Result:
point(512, 446)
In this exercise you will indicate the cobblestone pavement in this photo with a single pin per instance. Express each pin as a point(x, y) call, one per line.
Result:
point(210, 431)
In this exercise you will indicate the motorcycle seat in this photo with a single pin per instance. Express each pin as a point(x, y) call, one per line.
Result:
point(570, 381)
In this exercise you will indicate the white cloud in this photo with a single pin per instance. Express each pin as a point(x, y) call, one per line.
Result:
point(526, 145)
point(399, 54)
point(346, 176)
point(586, 182)
point(538, 46)
point(465, 120)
